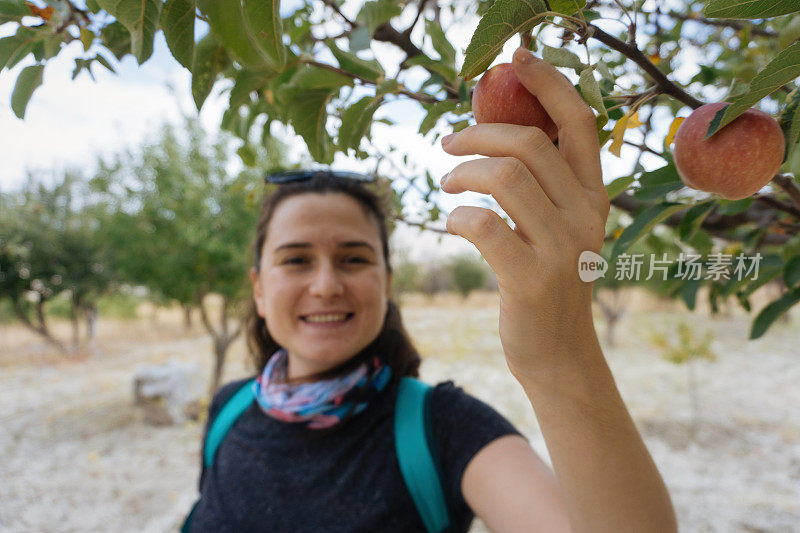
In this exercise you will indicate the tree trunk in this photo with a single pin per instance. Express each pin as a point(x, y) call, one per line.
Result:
point(187, 317)
point(75, 325)
point(41, 328)
point(612, 313)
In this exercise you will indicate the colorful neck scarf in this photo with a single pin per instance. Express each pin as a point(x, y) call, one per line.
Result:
point(320, 404)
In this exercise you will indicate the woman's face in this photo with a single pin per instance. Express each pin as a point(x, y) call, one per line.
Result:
point(322, 256)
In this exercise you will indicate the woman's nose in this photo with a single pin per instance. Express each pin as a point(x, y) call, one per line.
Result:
point(326, 282)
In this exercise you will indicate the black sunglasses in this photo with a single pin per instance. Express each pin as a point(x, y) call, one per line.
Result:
point(302, 175)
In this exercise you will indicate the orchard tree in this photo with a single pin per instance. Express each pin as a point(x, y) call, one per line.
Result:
point(328, 67)
point(51, 243)
point(182, 224)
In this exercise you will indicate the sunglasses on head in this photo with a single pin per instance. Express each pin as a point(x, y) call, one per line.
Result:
point(288, 176)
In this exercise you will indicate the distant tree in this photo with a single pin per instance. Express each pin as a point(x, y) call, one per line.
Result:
point(435, 280)
point(468, 274)
point(52, 244)
point(182, 223)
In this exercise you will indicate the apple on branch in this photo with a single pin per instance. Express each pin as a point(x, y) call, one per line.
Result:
point(500, 97)
point(735, 162)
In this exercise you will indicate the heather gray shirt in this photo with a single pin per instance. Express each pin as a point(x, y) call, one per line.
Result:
point(268, 477)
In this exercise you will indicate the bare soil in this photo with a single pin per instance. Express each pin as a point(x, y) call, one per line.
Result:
point(76, 455)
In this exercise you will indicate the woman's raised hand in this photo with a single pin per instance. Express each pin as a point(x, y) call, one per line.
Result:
point(558, 203)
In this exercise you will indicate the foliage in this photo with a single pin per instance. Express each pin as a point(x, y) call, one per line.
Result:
point(319, 69)
point(52, 245)
point(687, 346)
point(468, 274)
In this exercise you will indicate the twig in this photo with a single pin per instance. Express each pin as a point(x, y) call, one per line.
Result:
point(724, 23)
point(425, 98)
point(788, 186)
point(777, 204)
point(331, 4)
point(664, 84)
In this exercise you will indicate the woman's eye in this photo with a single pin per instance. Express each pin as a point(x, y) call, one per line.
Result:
point(357, 259)
point(293, 260)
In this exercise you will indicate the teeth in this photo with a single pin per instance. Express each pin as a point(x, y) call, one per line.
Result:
point(326, 318)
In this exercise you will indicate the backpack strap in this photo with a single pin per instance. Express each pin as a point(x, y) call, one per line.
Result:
point(413, 443)
point(229, 413)
point(416, 454)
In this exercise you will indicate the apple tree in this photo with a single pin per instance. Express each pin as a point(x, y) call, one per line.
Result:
point(328, 67)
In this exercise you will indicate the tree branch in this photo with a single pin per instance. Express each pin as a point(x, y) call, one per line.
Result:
point(723, 23)
point(714, 224)
point(636, 55)
point(422, 97)
point(786, 183)
point(331, 4)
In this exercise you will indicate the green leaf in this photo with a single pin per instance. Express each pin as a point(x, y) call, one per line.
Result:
point(13, 10)
point(15, 47)
point(590, 90)
point(749, 9)
point(656, 183)
point(502, 21)
point(307, 111)
point(29, 79)
point(693, 218)
point(378, 12)
point(387, 85)
point(448, 72)
point(227, 21)
point(772, 312)
point(264, 19)
point(791, 272)
point(209, 59)
point(561, 57)
point(435, 111)
point(140, 18)
point(103, 61)
point(117, 39)
point(643, 223)
point(567, 7)
point(790, 33)
point(311, 77)
point(356, 122)
point(177, 21)
point(244, 84)
point(733, 207)
point(359, 39)
point(247, 154)
point(350, 62)
point(688, 292)
point(616, 187)
point(440, 42)
point(87, 37)
point(783, 68)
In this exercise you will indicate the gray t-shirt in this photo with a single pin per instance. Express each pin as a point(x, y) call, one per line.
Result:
point(268, 476)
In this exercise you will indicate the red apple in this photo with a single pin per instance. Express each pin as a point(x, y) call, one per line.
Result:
point(500, 97)
point(737, 161)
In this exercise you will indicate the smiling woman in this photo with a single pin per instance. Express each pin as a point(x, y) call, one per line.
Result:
point(335, 434)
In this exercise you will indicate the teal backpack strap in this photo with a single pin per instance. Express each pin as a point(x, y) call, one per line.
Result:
point(416, 454)
point(229, 413)
point(220, 426)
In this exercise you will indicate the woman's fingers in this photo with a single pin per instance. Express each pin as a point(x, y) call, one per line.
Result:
point(577, 131)
point(508, 180)
point(506, 253)
point(529, 145)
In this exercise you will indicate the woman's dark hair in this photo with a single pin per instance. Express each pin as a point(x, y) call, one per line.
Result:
point(393, 344)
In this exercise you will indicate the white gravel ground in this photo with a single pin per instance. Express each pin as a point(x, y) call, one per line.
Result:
point(76, 456)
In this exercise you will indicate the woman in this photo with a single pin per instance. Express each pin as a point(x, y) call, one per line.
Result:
point(329, 336)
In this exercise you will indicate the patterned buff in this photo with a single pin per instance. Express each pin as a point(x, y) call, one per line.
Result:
point(320, 404)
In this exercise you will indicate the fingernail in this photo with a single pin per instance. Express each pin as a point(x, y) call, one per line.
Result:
point(523, 55)
point(444, 178)
point(447, 138)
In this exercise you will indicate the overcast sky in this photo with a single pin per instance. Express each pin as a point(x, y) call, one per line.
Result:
point(69, 123)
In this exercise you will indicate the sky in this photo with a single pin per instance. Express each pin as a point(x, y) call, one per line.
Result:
point(69, 123)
